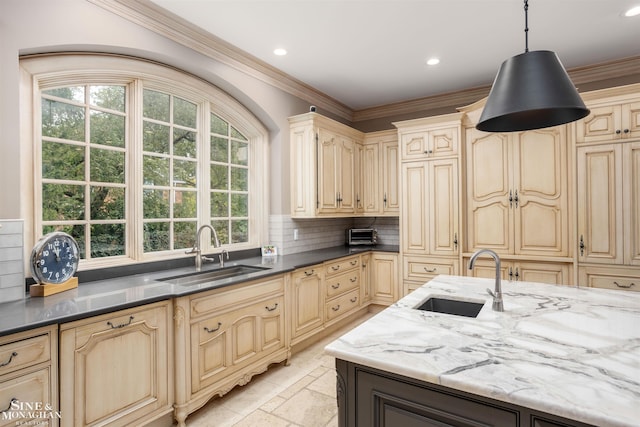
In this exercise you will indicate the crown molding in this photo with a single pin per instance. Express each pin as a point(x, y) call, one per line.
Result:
point(148, 15)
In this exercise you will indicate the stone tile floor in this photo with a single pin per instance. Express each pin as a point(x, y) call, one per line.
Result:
point(302, 394)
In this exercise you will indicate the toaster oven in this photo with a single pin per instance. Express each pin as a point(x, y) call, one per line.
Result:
point(361, 236)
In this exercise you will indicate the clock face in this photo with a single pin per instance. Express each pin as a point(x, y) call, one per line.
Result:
point(54, 258)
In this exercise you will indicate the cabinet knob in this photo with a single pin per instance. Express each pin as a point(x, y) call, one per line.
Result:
point(626, 131)
point(618, 131)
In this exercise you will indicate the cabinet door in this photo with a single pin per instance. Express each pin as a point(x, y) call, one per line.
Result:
point(414, 208)
point(631, 183)
point(542, 272)
point(28, 388)
point(346, 150)
point(600, 125)
point(385, 278)
point(370, 179)
point(489, 218)
point(365, 278)
point(443, 207)
point(600, 220)
point(116, 369)
point(225, 343)
point(630, 120)
point(303, 165)
point(328, 171)
point(308, 301)
point(420, 145)
point(540, 192)
point(390, 177)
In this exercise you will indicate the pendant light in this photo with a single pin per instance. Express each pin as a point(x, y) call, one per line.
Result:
point(531, 91)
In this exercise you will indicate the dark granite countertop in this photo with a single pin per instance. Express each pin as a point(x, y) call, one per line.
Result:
point(104, 296)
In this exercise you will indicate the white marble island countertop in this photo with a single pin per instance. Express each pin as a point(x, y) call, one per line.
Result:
point(572, 352)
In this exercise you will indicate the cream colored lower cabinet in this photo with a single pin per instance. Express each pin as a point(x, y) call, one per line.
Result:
point(117, 369)
point(224, 337)
point(555, 273)
point(385, 278)
point(29, 378)
point(306, 305)
point(417, 270)
point(342, 288)
point(610, 277)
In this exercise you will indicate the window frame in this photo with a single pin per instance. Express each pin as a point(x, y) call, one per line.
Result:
point(48, 71)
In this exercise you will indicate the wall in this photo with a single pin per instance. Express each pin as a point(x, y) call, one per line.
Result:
point(41, 26)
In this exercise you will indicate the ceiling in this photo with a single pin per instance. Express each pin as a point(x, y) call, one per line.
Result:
point(367, 53)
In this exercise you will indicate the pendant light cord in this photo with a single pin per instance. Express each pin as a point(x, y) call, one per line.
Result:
point(526, 26)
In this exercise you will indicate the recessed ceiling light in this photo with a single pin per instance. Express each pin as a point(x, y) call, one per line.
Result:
point(280, 51)
point(433, 61)
point(634, 11)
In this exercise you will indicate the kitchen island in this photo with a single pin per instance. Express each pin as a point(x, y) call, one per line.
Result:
point(557, 356)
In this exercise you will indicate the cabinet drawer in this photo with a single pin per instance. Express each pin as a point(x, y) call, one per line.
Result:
point(626, 279)
point(28, 388)
point(341, 265)
point(342, 305)
point(229, 298)
point(337, 285)
point(422, 269)
point(25, 353)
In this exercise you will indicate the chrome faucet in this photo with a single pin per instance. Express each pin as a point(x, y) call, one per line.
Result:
point(196, 246)
point(497, 294)
point(221, 257)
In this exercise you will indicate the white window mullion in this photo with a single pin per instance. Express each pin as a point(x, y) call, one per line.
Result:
point(204, 170)
point(134, 171)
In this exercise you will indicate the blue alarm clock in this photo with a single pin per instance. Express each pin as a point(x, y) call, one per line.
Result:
point(54, 258)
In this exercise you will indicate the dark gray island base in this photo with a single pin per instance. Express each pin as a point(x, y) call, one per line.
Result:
point(369, 397)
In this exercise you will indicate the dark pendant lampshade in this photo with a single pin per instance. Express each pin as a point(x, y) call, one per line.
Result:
point(531, 91)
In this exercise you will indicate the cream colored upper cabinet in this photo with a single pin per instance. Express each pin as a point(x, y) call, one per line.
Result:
point(436, 142)
point(610, 122)
point(324, 167)
point(379, 174)
point(609, 203)
point(336, 173)
point(390, 176)
point(430, 207)
point(517, 192)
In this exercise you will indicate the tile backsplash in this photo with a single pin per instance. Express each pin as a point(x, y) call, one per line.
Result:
point(11, 260)
point(318, 233)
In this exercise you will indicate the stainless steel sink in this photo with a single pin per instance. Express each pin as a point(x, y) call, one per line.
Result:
point(451, 306)
point(198, 278)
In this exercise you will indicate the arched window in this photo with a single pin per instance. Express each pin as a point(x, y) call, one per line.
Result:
point(131, 157)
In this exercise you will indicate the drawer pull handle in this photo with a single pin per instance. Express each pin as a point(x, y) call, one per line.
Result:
point(214, 329)
point(354, 299)
point(624, 286)
point(121, 325)
point(14, 354)
point(336, 286)
point(271, 309)
point(354, 262)
point(336, 308)
point(430, 270)
point(353, 279)
point(309, 273)
point(335, 267)
point(11, 402)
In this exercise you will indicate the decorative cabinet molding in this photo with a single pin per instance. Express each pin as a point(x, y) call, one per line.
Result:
point(517, 198)
point(117, 368)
